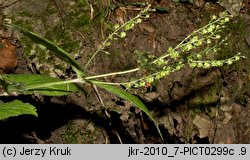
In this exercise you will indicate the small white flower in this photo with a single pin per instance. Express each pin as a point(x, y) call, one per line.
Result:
point(116, 26)
point(139, 20)
point(204, 31)
point(217, 36)
point(226, 19)
point(122, 34)
point(214, 17)
point(210, 29)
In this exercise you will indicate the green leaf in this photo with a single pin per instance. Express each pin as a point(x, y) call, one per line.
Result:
point(16, 108)
point(58, 51)
point(129, 97)
point(30, 83)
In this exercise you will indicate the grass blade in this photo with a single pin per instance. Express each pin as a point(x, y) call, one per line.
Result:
point(131, 98)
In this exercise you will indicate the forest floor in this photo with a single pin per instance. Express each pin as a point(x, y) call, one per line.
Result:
point(190, 105)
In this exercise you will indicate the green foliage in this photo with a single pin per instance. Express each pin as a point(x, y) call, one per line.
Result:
point(16, 108)
point(129, 97)
point(58, 51)
point(42, 84)
point(120, 31)
point(192, 51)
point(55, 20)
point(52, 86)
point(75, 134)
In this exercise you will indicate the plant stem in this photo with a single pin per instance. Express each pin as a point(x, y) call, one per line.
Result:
point(138, 69)
point(194, 32)
point(36, 86)
point(107, 83)
point(113, 33)
point(112, 74)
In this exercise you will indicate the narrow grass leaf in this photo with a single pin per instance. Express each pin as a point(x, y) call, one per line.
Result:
point(129, 97)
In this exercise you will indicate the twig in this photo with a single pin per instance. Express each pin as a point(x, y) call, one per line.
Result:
point(118, 136)
point(107, 114)
point(91, 12)
point(98, 94)
point(112, 74)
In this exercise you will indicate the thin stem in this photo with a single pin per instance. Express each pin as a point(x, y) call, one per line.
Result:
point(111, 35)
point(194, 32)
point(108, 83)
point(112, 74)
point(138, 69)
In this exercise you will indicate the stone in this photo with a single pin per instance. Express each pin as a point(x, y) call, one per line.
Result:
point(232, 6)
point(204, 125)
point(227, 118)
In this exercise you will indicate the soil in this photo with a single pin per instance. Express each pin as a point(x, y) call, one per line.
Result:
point(190, 105)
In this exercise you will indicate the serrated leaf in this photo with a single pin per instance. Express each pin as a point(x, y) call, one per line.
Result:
point(58, 51)
point(129, 97)
point(30, 83)
point(16, 108)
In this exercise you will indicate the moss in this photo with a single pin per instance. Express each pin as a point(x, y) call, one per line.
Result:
point(74, 134)
point(62, 26)
point(203, 98)
point(235, 31)
point(25, 14)
point(62, 38)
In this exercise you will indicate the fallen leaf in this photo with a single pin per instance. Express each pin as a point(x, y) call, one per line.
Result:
point(8, 57)
point(120, 14)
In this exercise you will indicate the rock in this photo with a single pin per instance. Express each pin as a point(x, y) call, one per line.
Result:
point(226, 107)
point(124, 117)
point(204, 125)
point(225, 104)
point(236, 109)
point(232, 6)
point(227, 118)
point(151, 96)
point(168, 123)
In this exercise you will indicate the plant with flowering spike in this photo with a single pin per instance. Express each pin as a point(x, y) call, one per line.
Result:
point(192, 51)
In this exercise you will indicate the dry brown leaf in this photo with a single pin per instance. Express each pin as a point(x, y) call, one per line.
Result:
point(120, 14)
point(150, 31)
point(8, 57)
